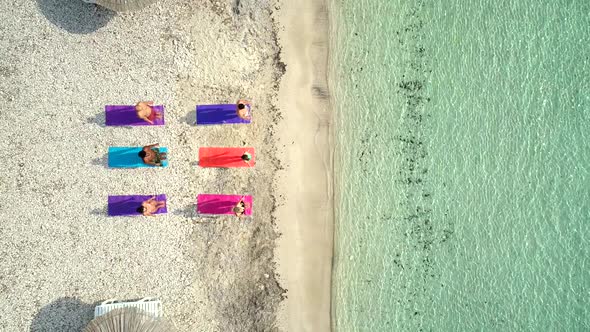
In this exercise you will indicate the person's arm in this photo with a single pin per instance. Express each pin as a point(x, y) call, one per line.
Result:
point(245, 117)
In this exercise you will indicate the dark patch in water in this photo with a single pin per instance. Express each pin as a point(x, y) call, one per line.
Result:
point(425, 232)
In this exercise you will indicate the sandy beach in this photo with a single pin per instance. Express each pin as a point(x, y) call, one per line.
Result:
point(60, 254)
point(305, 203)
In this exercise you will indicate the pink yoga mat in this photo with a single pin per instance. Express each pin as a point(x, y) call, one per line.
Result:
point(221, 204)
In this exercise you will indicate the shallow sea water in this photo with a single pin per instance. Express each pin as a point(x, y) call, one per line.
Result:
point(462, 165)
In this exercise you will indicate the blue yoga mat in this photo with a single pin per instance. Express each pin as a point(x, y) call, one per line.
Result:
point(126, 157)
point(218, 114)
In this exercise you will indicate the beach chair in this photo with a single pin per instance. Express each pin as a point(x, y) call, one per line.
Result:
point(126, 157)
point(126, 205)
point(225, 157)
point(219, 114)
point(150, 305)
point(125, 115)
point(211, 204)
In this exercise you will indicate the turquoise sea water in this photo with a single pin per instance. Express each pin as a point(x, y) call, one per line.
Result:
point(462, 165)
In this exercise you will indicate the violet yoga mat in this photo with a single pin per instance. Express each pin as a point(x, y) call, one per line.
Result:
point(218, 114)
point(127, 205)
point(125, 115)
point(221, 204)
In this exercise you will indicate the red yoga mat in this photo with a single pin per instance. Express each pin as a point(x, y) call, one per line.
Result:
point(225, 157)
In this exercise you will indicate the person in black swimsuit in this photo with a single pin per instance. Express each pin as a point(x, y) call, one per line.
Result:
point(151, 155)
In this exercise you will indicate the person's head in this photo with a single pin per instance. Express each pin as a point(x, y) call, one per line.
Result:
point(141, 154)
point(246, 157)
point(241, 106)
point(140, 209)
point(238, 209)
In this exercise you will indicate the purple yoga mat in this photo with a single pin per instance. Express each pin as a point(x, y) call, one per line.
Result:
point(218, 114)
point(124, 115)
point(127, 205)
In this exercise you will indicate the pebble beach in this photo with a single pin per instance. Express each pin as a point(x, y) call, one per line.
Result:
point(60, 254)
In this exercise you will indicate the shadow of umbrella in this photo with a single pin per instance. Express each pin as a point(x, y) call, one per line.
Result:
point(122, 5)
point(128, 320)
point(75, 16)
point(64, 314)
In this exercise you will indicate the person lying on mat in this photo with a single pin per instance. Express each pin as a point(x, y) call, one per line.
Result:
point(246, 157)
point(151, 206)
point(151, 155)
point(240, 208)
point(243, 109)
point(146, 112)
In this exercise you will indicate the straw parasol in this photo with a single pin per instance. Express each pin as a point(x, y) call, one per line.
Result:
point(128, 320)
point(122, 5)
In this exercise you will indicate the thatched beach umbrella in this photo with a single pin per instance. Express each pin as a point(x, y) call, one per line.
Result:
point(128, 320)
point(122, 5)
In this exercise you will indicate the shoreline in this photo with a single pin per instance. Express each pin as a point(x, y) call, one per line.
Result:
point(305, 185)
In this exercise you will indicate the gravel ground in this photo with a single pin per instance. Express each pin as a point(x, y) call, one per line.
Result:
point(61, 62)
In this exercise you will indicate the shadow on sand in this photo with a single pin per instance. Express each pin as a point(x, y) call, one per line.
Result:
point(64, 314)
point(102, 161)
point(98, 119)
point(190, 118)
point(104, 211)
point(187, 212)
point(75, 16)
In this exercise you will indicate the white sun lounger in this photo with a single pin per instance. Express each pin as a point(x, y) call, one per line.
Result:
point(150, 305)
